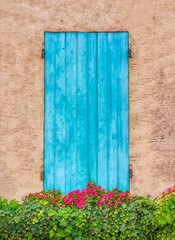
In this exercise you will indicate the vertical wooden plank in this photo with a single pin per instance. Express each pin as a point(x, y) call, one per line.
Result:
point(102, 110)
point(92, 107)
point(82, 122)
point(71, 165)
point(82, 155)
point(49, 111)
point(60, 112)
point(112, 111)
point(123, 125)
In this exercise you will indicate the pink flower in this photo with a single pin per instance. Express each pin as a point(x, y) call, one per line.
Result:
point(90, 195)
point(105, 196)
point(70, 194)
point(117, 202)
point(95, 193)
point(53, 190)
point(110, 194)
point(169, 190)
point(53, 199)
point(99, 202)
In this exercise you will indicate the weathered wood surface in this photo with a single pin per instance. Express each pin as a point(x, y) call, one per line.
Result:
point(86, 110)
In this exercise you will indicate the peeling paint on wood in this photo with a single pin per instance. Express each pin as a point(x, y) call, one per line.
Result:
point(86, 110)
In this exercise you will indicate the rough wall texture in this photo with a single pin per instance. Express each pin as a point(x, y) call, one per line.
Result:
point(151, 85)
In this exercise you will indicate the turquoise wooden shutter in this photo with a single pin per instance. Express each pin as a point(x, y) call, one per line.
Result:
point(86, 110)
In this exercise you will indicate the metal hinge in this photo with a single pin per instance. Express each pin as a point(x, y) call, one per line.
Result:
point(129, 53)
point(42, 53)
point(130, 173)
point(42, 175)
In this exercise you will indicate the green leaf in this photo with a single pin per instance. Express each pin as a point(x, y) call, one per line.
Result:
point(54, 226)
point(51, 213)
point(51, 234)
point(68, 238)
point(60, 233)
point(63, 222)
point(68, 231)
point(124, 205)
point(35, 220)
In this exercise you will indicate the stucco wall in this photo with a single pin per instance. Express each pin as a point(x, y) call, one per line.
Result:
point(151, 85)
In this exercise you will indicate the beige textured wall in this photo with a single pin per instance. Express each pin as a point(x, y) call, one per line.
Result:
point(151, 26)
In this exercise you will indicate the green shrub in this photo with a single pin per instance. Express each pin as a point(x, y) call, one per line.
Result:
point(130, 221)
point(45, 221)
point(163, 222)
point(89, 214)
point(7, 212)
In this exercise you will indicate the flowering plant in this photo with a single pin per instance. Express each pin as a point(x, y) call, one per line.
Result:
point(92, 194)
point(167, 194)
point(51, 196)
point(163, 221)
point(92, 213)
